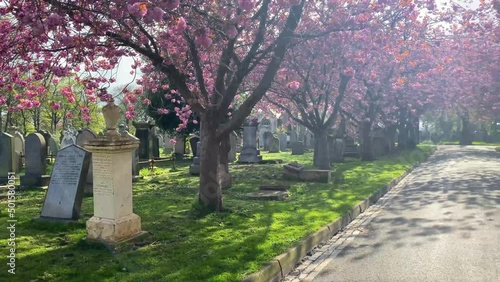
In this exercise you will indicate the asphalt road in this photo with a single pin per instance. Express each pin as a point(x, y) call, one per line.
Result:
point(442, 225)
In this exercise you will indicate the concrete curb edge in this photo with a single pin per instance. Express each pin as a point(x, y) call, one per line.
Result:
point(281, 265)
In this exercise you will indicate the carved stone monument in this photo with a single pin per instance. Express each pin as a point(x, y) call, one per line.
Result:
point(297, 148)
point(249, 152)
point(69, 138)
point(67, 182)
point(113, 221)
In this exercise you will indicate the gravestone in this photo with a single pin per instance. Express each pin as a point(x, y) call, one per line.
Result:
point(142, 132)
point(46, 135)
point(233, 138)
point(297, 148)
point(67, 183)
point(293, 136)
point(194, 168)
point(336, 150)
point(283, 141)
point(192, 142)
point(83, 137)
point(7, 156)
point(155, 143)
point(53, 146)
point(168, 147)
point(135, 153)
point(180, 146)
point(379, 144)
point(351, 149)
point(18, 148)
point(113, 221)
point(36, 164)
point(249, 152)
point(274, 146)
point(268, 135)
point(69, 138)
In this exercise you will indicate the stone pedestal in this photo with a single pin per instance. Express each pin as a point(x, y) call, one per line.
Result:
point(194, 168)
point(113, 221)
point(249, 152)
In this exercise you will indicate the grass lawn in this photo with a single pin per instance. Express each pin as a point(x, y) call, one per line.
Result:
point(187, 243)
point(473, 143)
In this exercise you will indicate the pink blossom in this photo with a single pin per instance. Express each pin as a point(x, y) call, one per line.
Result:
point(163, 111)
point(138, 9)
point(172, 4)
point(349, 72)
point(146, 101)
point(156, 14)
point(69, 115)
point(195, 122)
point(246, 4)
point(180, 26)
point(294, 85)
point(86, 118)
point(85, 110)
point(129, 115)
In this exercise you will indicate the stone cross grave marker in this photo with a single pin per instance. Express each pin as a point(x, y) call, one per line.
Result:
point(67, 183)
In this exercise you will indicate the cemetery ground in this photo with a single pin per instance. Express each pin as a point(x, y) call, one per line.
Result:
point(187, 243)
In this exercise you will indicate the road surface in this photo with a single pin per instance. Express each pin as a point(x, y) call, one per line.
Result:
point(441, 223)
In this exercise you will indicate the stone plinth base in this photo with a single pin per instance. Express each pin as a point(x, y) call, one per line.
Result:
point(114, 231)
point(309, 175)
point(34, 181)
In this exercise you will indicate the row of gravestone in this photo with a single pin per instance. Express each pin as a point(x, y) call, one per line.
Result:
point(34, 150)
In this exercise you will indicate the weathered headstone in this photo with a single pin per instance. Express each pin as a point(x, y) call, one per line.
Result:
point(180, 146)
point(82, 138)
point(18, 148)
point(155, 143)
point(194, 168)
point(142, 132)
point(36, 164)
point(283, 141)
point(233, 137)
point(249, 152)
point(69, 138)
point(53, 146)
point(274, 146)
point(46, 135)
point(337, 150)
point(350, 148)
point(293, 136)
point(67, 183)
point(297, 148)
point(268, 135)
point(7, 156)
point(192, 142)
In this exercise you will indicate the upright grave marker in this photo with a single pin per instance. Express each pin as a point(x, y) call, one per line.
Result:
point(83, 137)
point(36, 164)
point(67, 183)
point(7, 156)
point(113, 220)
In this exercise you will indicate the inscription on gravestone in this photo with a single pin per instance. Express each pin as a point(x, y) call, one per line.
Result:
point(64, 196)
point(103, 164)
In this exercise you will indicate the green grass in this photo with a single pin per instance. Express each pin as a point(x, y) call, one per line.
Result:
point(473, 143)
point(189, 244)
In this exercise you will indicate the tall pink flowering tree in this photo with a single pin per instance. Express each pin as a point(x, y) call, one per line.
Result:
point(206, 49)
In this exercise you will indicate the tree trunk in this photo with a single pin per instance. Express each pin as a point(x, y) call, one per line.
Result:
point(367, 145)
point(224, 175)
point(210, 190)
point(321, 150)
point(411, 142)
point(465, 134)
